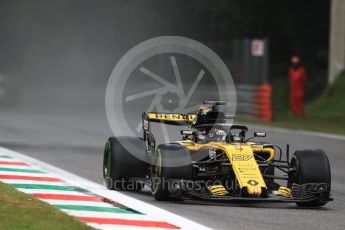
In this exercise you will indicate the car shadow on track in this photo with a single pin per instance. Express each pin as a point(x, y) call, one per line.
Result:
point(263, 205)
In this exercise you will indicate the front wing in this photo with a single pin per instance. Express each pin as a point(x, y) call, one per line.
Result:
point(299, 194)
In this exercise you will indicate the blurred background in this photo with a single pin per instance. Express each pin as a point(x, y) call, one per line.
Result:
point(56, 57)
point(60, 54)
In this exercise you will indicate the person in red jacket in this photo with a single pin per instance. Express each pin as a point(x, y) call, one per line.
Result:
point(298, 81)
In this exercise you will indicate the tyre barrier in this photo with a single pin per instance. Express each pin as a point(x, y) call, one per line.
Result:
point(255, 101)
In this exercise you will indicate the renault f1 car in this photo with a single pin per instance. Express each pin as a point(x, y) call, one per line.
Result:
point(213, 160)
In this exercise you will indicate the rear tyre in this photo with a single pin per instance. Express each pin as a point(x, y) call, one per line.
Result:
point(162, 173)
point(311, 166)
point(121, 169)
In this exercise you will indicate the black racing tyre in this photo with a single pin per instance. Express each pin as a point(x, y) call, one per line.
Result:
point(161, 172)
point(311, 166)
point(120, 167)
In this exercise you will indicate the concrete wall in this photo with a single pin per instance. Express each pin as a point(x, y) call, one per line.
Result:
point(337, 40)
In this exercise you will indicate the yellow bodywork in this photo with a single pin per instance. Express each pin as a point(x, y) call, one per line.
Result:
point(243, 163)
point(176, 117)
point(218, 190)
point(284, 191)
point(240, 155)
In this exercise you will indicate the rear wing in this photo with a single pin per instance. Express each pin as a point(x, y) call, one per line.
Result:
point(166, 118)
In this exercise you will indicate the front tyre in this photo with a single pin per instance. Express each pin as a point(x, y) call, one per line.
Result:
point(311, 166)
point(162, 172)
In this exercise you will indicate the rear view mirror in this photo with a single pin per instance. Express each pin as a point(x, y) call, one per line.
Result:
point(186, 132)
point(229, 116)
point(259, 134)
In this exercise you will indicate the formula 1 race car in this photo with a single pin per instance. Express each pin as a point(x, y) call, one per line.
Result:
point(214, 161)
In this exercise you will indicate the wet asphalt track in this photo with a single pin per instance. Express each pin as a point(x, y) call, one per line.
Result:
point(73, 139)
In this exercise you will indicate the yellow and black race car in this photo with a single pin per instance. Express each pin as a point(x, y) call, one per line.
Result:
point(214, 161)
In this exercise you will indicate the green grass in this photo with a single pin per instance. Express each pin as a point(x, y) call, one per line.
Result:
point(331, 104)
point(22, 211)
point(325, 114)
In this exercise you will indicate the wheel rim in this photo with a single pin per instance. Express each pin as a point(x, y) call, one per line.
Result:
point(157, 170)
point(107, 164)
point(295, 177)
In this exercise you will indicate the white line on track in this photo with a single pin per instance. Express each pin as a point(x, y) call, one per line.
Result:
point(93, 187)
point(8, 159)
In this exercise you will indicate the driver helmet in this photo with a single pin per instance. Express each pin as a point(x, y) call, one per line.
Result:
point(217, 135)
point(208, 116)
